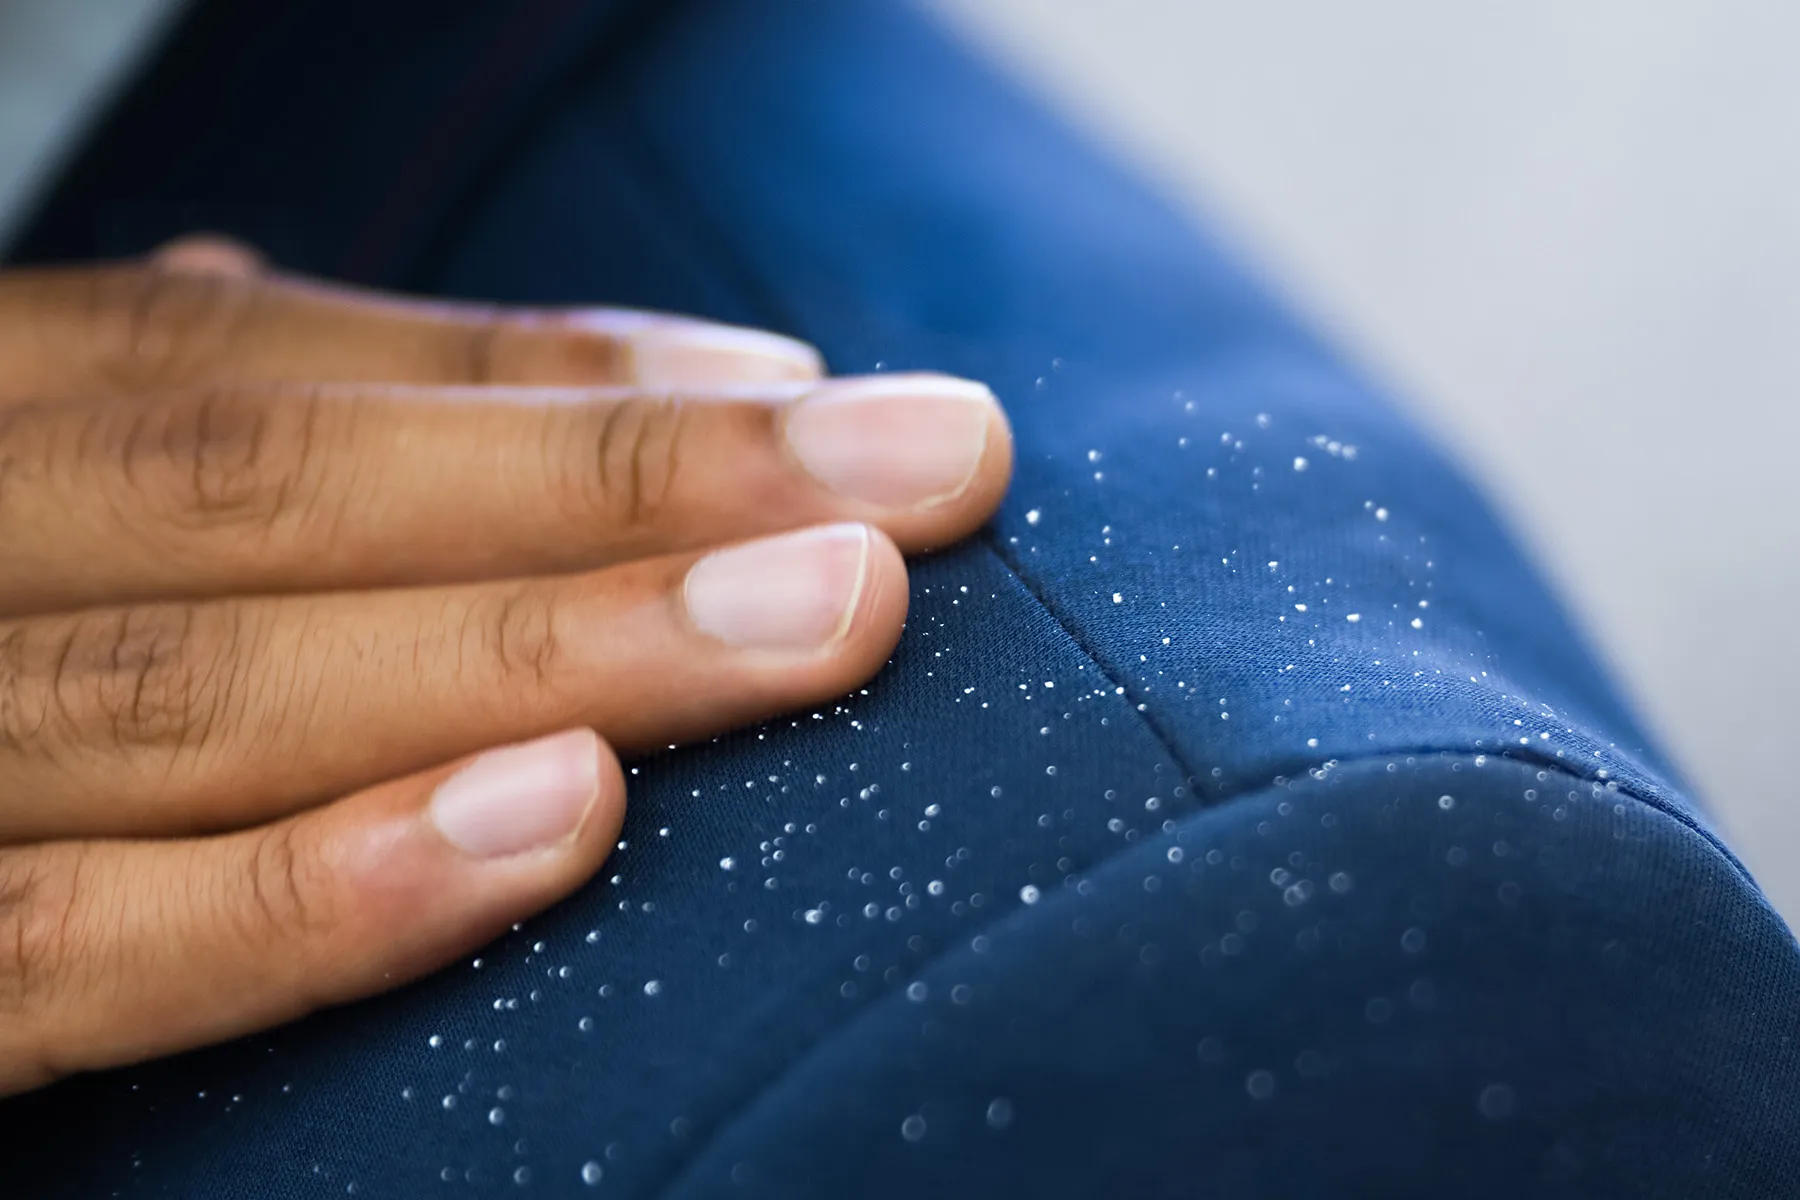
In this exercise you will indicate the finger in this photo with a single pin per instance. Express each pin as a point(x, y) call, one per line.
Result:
point(304, 490)
point(137, 329)
point(187, 718)
point(113, 952)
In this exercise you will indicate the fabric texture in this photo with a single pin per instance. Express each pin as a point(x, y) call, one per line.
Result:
point(1239, 816)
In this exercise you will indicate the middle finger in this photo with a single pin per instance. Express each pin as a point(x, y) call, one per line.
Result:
point(364, 486)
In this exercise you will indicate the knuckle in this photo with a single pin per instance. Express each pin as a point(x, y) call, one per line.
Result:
point(160, 676)
point(39, 928)
point(287, 896)
point(629, 455)
point(22, 710)
point(518, 629)
point(16, 454)
point(477, 348)
point(219, 460)
point(154, 328)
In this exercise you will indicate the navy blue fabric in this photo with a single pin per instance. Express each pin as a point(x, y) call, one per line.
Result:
point(1239, 815)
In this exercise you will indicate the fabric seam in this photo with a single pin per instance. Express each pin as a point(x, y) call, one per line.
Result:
point(739, 1112)
point(1167, 739)
point(1162, 736)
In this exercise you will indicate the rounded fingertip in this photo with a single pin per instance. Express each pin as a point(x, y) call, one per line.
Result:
point(796, 593)
point(520, 798)
point(880, 615)
point(690, 356)
point(899, 442)
point(677, 353)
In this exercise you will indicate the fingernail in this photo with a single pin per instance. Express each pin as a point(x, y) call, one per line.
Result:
point(670, 352)
point(901, 441)
point(519, 798)
point(795, 592)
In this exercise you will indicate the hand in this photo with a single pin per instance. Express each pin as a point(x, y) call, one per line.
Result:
point(275, 558)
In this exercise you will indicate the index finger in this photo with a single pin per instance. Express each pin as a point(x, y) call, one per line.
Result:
point(138, 328)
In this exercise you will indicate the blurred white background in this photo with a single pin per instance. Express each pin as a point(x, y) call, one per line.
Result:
point(1569, 234)
point(59, 59)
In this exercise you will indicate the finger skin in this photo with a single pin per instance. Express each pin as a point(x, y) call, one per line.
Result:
point(291, 489)
point(135, 329)
point(113, 952)
point(178, 719)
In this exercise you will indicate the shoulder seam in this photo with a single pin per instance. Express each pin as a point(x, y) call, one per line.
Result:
point(1170, 744)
